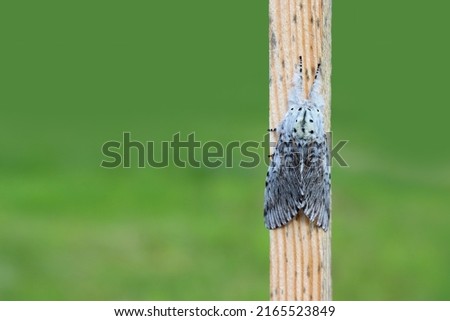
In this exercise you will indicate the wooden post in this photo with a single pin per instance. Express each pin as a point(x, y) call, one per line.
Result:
point(300, 253)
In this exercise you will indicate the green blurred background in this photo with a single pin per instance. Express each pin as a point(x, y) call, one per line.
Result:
point(75, 74)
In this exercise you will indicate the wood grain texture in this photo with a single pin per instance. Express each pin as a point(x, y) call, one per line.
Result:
point(300, 253)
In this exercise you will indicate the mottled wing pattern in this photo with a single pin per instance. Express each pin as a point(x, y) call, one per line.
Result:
point(298, 178)
point(284, 194)
point(316, 183)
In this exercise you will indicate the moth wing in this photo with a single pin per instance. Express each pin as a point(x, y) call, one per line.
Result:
point(284, 193)
point(316, 177)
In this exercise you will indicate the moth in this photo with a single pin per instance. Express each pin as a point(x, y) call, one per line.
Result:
point(298, 178)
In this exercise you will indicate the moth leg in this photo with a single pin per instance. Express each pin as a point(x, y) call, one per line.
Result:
point(272, 130)
point(316, 90)
point(300, 74)
point(296, 93)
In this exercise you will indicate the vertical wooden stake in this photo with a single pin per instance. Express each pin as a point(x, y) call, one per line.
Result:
point(300, 253)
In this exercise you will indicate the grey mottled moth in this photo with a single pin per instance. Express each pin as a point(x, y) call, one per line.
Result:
point(299, 173)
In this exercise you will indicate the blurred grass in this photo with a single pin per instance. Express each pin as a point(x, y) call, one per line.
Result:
point(77, 75)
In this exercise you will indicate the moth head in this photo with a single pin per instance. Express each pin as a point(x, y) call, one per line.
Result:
point(308, 121)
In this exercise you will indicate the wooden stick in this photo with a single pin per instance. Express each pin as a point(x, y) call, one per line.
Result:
point(300, 253)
